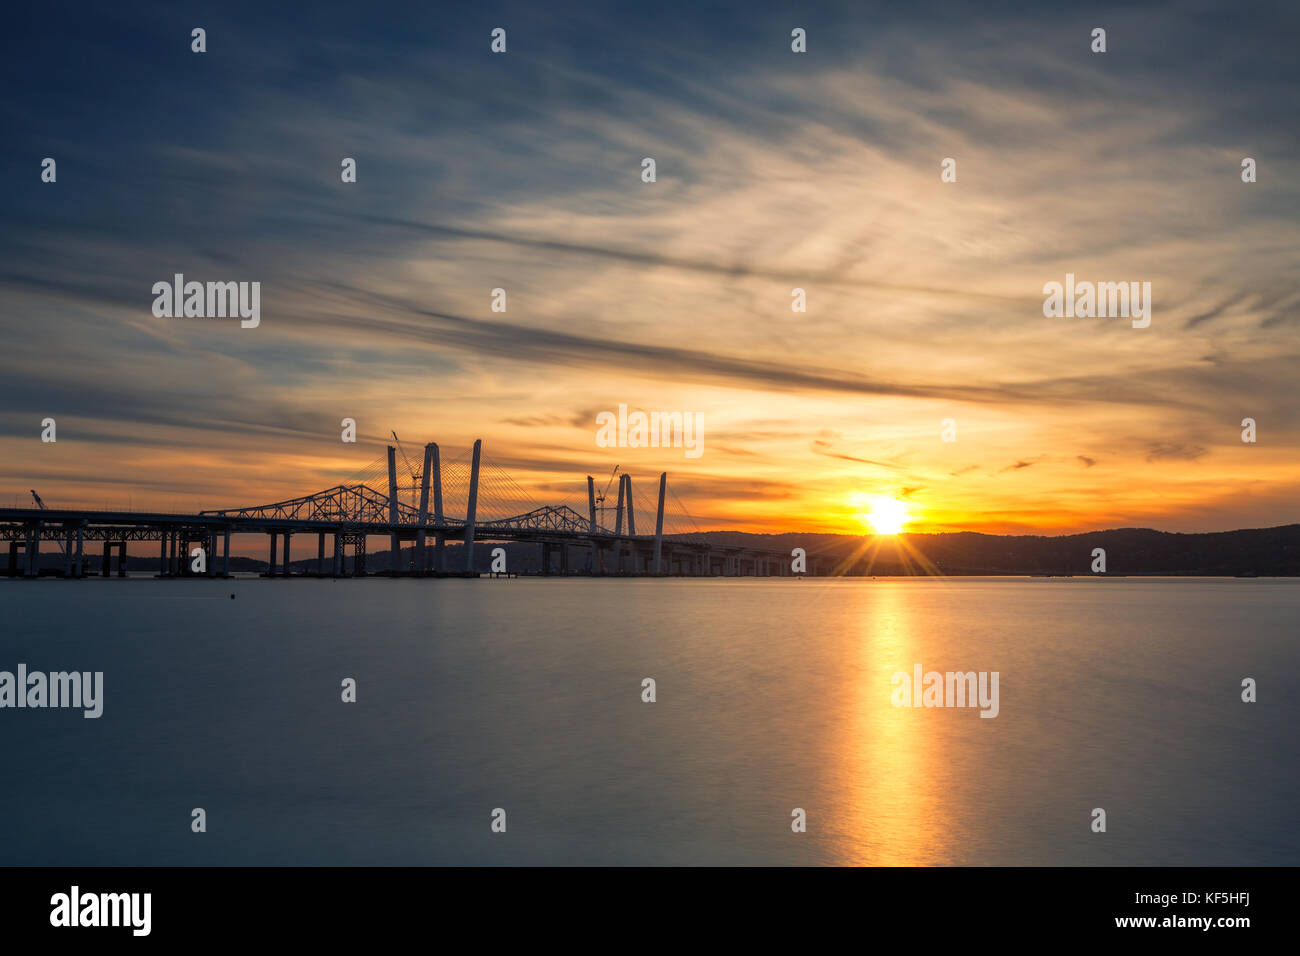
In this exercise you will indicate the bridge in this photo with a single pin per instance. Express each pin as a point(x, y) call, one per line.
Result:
point(467, 500)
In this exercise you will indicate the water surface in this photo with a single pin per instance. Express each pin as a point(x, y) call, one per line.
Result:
point(772, 694)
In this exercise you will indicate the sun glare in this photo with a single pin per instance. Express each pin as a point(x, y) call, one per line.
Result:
point(887, 515)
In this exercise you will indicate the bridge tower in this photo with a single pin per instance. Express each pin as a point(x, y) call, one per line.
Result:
point(430, 461)
point(659, 524)
point(472, 507)
point(395, 543)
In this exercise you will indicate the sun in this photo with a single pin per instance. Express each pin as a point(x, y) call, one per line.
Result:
point(887, 515)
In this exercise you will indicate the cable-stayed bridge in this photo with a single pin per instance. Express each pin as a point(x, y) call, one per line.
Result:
point(468, 500)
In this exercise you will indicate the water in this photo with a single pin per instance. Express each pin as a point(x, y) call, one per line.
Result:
point(525, 694)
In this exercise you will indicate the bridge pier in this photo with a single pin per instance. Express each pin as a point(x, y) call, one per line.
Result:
point(33, 551)
point(79, 563)
point(109, 547)
point(359, 554)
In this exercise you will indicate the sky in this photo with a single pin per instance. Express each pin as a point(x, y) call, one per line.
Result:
point(775, 170)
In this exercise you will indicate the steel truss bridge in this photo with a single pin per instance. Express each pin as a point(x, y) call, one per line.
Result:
point(468, 500)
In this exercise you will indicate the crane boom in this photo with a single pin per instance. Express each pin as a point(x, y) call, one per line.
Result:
point(41, 504)
point(600, 499)
point(409, 467)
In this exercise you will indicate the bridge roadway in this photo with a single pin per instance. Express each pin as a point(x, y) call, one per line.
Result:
point(611, 553)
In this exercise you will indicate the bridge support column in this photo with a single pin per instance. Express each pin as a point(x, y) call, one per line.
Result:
point(275, 539)
point(631, 528)
point(67, 552)
point(617, 547)
point(211, 545)
point(394, 542)
point(336, 565)
point(659, 522)
point(287, 535)
point(320, 553)
point(439, 540)
point(79, 562)
point(34, 552)
point(162, 555)
point(631, 516)
point(597, 562)
point(473, 506)
point(421, 557)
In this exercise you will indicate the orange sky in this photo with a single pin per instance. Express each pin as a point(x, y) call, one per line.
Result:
point(924, 298)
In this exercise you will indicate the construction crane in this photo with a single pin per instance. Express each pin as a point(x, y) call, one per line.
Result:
point(41, 504)
point(600, 498)
point(415, 475)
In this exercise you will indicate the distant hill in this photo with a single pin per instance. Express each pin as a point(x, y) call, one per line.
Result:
point(1262, 551)
point(1267, 552)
